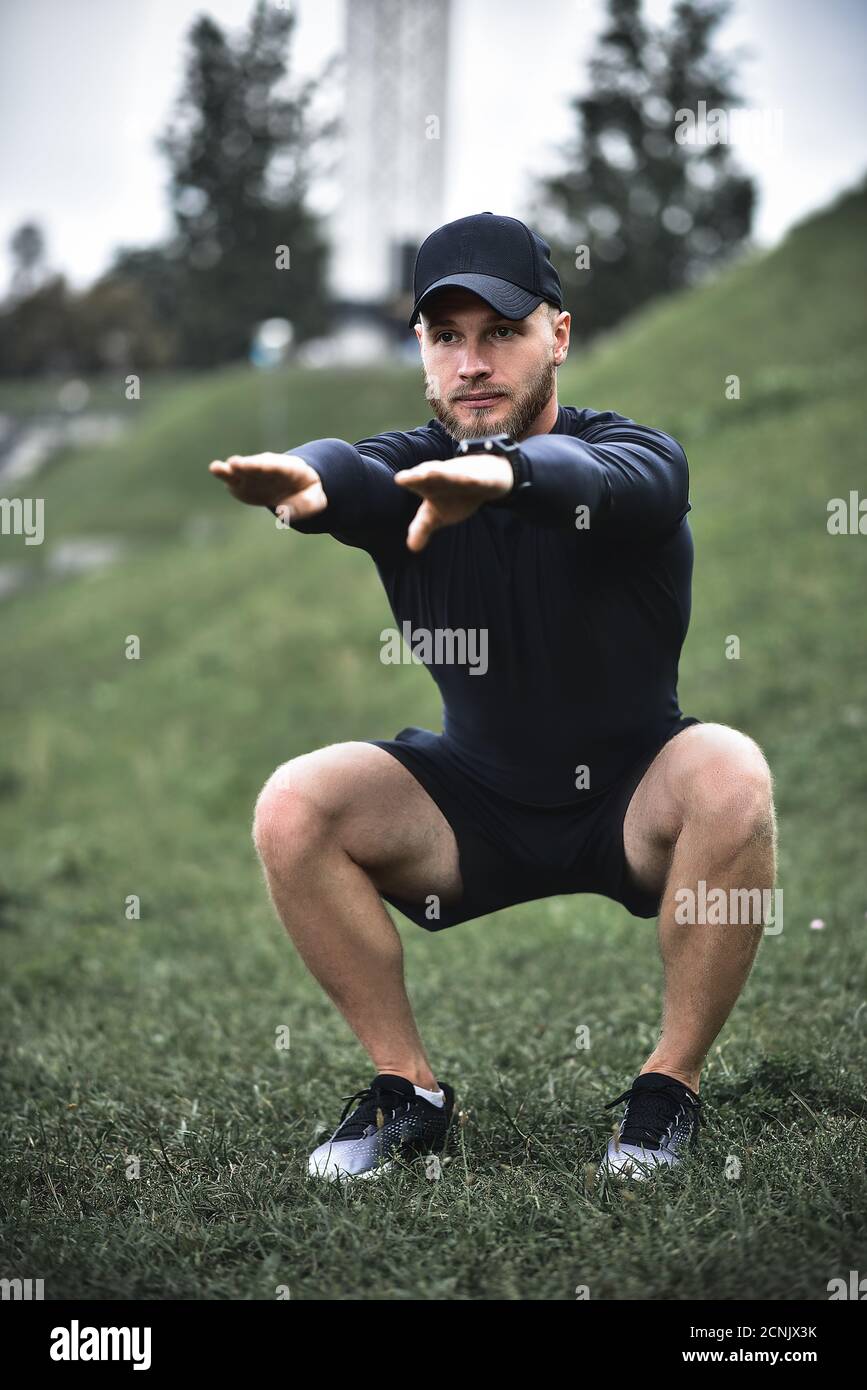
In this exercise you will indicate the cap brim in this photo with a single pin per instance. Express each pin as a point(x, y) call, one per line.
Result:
point(508, 299)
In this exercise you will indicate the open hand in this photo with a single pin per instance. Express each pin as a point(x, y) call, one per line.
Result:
point(282, 481)
point(451, 490)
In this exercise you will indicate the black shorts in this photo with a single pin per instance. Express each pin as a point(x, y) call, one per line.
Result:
point(512, 852)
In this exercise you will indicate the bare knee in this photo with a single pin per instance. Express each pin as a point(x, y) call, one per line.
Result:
point(291, 820)
point(726, 786)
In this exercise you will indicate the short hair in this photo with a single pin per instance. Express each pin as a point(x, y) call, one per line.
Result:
point(549, 311)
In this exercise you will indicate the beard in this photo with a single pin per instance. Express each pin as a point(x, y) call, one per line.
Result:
point(526, 405)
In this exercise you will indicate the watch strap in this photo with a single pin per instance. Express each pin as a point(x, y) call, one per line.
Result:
point(521, 479)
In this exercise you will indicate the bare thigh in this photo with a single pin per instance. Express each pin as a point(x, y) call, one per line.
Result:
point(664, 795)
point(380, 815)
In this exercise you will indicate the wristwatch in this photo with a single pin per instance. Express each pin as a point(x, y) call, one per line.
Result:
point(505, 446)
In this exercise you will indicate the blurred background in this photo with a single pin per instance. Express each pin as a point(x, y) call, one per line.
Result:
point(155, 159)
point(209, 218)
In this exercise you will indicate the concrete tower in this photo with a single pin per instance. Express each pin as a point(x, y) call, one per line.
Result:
point(392, 175)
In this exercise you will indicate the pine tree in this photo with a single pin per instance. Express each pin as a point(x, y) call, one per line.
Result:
point(653, 214)
point(27, 249)
point(240, 155)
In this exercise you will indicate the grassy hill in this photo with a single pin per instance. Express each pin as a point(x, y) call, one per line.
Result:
point(154, 1039)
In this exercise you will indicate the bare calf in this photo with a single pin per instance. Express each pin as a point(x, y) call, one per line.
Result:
point(333, 829)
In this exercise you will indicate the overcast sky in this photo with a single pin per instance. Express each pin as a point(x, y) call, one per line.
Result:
point(87, 85)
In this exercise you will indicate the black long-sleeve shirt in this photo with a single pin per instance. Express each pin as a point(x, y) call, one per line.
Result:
point(585, 621)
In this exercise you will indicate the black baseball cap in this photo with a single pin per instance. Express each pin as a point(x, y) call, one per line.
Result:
point(498, 258)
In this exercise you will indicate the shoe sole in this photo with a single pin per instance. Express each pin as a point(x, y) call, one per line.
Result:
point(381, 1169)
point(342, 1177)
point(634, 1168)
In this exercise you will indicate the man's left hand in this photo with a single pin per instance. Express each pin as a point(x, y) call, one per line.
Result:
point(451, 490)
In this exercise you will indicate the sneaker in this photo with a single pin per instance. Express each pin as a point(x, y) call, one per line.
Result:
point(660, 1125)
point(390, 1122)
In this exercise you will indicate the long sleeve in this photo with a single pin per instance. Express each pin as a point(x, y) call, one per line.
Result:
point(363, 498)
point(628, 476)
point(366, 508)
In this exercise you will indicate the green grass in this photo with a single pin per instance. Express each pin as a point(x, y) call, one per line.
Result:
point(155, 1038)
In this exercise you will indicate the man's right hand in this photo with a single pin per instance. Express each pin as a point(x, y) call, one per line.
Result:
point(282, 481)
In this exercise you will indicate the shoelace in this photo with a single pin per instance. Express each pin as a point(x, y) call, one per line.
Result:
point(648, 1120)
point(371, 1099)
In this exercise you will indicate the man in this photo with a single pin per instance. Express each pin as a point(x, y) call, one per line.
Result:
point(565, 764)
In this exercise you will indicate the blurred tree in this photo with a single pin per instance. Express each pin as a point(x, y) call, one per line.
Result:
point(157, 275)
point(654, 214)
point(37, 332)
point(110, 325)
point(240, 156)
point(115, 327)
point(27, 248)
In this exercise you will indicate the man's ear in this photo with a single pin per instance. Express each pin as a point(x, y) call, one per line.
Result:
point(563, 321)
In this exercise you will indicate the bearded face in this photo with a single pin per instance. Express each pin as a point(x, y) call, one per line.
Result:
point(485, 374)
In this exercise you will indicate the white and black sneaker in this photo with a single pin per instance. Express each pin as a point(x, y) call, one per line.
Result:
point(660, 1125)
point(391, 1122)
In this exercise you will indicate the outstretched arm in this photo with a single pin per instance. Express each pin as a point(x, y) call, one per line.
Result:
point(326, 485)
point(628, 477)
point(285, 483)
point(631, 478)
